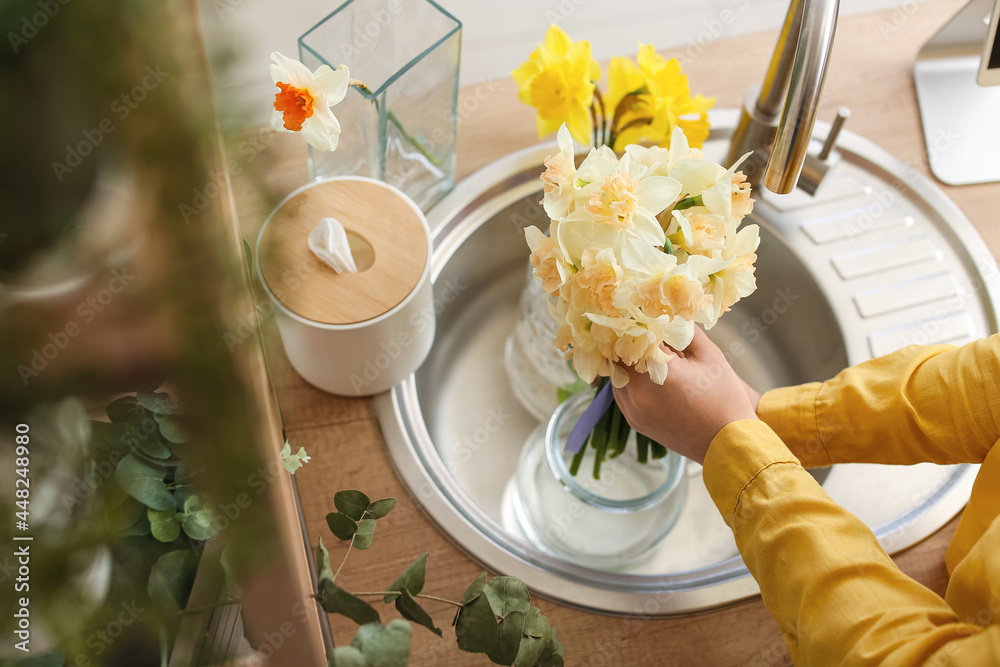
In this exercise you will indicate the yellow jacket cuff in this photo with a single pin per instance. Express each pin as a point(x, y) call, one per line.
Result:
point(738, 453)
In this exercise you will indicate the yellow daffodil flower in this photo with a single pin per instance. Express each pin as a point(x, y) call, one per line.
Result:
point(648, 98)
point(558, 81)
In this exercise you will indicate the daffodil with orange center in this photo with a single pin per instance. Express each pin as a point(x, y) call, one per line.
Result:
point(303, 101)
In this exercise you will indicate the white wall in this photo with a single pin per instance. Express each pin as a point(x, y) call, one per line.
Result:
point(497, 34)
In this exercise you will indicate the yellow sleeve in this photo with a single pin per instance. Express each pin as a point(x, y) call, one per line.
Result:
point(838, 598)
point(923, 403)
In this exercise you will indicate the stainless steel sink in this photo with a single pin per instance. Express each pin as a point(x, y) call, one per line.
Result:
point(878, 259)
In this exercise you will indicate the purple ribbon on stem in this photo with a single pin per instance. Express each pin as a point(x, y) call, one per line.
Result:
point(588, 420)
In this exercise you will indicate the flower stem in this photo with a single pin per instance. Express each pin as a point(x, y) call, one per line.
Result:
point(392, 118)
point(593, 118)
point(635, 123)
point(604, 115)
point(626, 104)
point(688, 202)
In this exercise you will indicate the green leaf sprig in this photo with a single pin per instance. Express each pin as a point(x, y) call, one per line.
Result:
point(494, 617)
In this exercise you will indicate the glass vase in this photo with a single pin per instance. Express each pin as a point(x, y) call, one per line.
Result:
point(613, 522)
point(400, 130)
point(535, 367)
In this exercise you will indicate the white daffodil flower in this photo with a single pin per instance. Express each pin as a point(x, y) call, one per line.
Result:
point(622, 284)
point(304, 101)
point(559, 176)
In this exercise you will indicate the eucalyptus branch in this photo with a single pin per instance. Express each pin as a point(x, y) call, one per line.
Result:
point(349, 547)
point(476, 623)
point(418, 595)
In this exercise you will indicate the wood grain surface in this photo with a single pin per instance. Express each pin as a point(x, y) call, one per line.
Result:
point(871, 72)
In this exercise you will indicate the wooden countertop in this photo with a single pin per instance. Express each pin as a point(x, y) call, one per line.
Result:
point(871, 72)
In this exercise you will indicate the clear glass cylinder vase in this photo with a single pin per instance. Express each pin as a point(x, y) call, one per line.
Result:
point(402, 129)
point(612, 522)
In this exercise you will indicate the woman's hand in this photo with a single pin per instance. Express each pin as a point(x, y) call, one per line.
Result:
point(701, 395)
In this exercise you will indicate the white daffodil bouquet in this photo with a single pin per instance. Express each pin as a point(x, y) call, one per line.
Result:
point(641, 249)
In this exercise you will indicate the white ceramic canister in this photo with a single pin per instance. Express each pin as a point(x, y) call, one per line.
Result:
point(352, 334)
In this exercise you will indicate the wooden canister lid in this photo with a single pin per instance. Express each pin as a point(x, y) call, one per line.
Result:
point(380, 215)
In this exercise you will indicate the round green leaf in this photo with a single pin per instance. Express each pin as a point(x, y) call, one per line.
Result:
point(139, 528)
point(198, 520)
point(475, 589)
point(144, 482)
point(150, 444)
point(323, 562)
point(366, 531)
point(553, 654)
point(506, 595)
point(171, 578)
point(537, 638)
point(390, 647)
point(410, 609)
point(348, 656)
point(336, 600)
point(352, 503)
point(364, 632)
point(509, 633)
point(163, 524)
point(125, 515)
point(412, 579)
point(172, 430)
point(116, 437)
point(381, 507)
point(114, 495)
point(122, 409)
point(341, 525)
point(159, 404)
point(476, 626)
point(184, 476)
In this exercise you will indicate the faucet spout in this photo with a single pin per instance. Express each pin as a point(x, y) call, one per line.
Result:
point(778, 117)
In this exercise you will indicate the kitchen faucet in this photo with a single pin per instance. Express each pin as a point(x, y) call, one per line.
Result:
point(792, 88)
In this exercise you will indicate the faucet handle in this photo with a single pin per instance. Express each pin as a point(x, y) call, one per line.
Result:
point(843, 113)
point(816, 166)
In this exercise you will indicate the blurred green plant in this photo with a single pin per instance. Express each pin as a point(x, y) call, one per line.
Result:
point(494, 617)
point(99, 88)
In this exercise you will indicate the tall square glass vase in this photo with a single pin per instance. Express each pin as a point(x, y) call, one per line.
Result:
point(400, 130)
